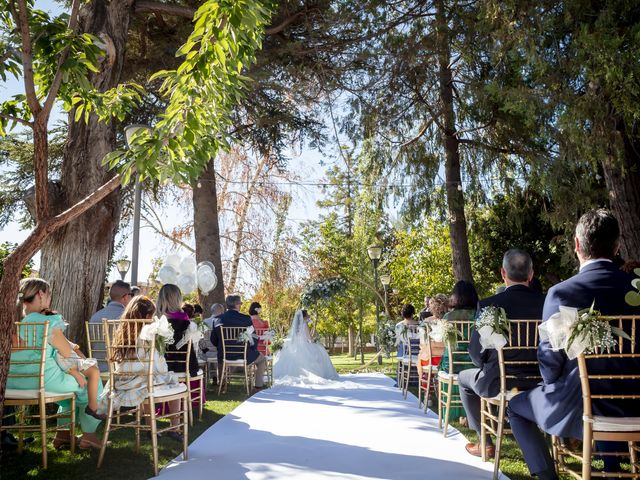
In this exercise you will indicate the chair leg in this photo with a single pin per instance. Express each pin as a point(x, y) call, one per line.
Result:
point(633, 457)
point(483, 429)
point(428, 392)
point(447, 408)
point(201, 397)
point(190, 404)
point(105, 435)
point(222, 378)
point(43, 432)
point(586, 457)
point(154, 436)
point(499, 435)
point(72, 426)
point(185, 435)
point(139, 423)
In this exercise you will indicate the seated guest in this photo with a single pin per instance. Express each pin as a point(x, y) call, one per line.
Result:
point(34, 300)
point(438, 306)
point(233, 318)
point(132, 391)
point(556, 405)
point(119, 295)
point(259, 324)
point(408, 312)
point(197, 310)
point(189, 310)
point(520, 302)
point(463, 304)
point(425, 312)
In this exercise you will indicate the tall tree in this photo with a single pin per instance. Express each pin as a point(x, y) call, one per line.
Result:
point(225, 38)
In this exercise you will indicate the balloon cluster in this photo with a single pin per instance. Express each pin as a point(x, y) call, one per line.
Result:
point(187, 274)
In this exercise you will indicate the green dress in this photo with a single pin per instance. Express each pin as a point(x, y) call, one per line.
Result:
point(55, 379)
point(469, 314)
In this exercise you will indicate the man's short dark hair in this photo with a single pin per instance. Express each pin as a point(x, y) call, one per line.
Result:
point(408, 311)
point(119, 289)
point(517, 264)
point(598, 233)
point(233, 301)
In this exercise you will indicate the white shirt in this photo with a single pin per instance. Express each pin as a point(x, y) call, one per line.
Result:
point(594, 260)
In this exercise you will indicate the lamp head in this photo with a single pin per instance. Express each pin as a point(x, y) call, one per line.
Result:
point(375, 252)
point(385, 279)
point(131, 130)
point(123, 266)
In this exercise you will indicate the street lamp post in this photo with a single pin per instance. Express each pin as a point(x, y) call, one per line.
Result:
point(375, 252)
point(385, 280)
point(123, 267)
point(129, 132)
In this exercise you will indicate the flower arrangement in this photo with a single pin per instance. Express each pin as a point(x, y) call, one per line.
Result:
point(201, 325)
point(247, 336)
point(276, 344)
point(386, 336)
point(445, 331)
point(493, 327)
point(579, 331)
point(322, 290)
point(162, 330)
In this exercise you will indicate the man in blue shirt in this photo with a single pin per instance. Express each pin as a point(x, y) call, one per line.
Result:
point(119, 297)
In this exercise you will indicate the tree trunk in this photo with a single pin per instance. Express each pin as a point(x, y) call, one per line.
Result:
point(207, 232)
point(623, 183)
point(352, 340)
point(75, 259)
point(455, 196)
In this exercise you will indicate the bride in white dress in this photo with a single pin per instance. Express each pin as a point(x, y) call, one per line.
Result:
point(301, 360)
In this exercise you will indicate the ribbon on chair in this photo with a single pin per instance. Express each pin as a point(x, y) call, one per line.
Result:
point(192, 334)
point(247, 335)
point(160, 327)
point(490, 339)
point(557, 331)
point(267, 336)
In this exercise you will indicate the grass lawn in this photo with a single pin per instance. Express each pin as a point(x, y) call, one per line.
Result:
point(122, 461)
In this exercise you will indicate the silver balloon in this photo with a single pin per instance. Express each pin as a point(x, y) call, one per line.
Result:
point(186, 283)
point(172, 260)
point(207, 264)
point(167, 274)
point(207, 280)
point(187, 266)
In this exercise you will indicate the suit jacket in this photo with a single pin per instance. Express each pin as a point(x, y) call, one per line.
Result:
point(233, 318)
point(519, 303)
point(557, 403)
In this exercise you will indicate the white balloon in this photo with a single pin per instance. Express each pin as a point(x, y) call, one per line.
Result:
point(186, 283)
point(207, 264)
point(167, 274)
point(187, 266)
point(207, 280)
point(172, 260)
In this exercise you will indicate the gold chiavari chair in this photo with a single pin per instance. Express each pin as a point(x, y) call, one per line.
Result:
point(458, 357)
point(522, 344)
point(195, 392)
point(427, 374)
point(409, 360)
point(97, 347)
point(141, 365)
point(234, 356)
point(265, 349)
point(626, 390)
point(27, 365)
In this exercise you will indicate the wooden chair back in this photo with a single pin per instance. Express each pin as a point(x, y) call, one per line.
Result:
point(458, 354)
point(524, 340)
point(264, 345)
point(96, 344)
point(232, 348)
point(121, 337)
point(29, 337)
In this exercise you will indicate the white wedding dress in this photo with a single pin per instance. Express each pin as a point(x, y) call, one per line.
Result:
point(301, 360)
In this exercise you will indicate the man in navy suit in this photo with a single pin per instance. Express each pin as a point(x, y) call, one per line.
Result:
point(556, 405)
point(519, 303)
point(233, 318)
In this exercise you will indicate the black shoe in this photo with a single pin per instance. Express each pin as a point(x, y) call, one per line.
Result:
point(178, 437)
point(94, 413)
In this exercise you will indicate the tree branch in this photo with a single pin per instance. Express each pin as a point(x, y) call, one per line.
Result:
point(11, 118)
point(57, 79)
point(27, 57)
point(486, 146)
point(285, 23)
point(149, 6)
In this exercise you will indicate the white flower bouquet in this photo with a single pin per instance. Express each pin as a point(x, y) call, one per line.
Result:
point(444, 331)
point(493, 327)
point(386, 337)
point(579, 331)
point(247, 336)
point(162, 330)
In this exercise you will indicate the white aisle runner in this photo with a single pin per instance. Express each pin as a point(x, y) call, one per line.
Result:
point(357, 428)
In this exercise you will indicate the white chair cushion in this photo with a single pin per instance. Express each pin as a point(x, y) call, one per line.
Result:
point(18, 394)
point(405, 359)
point(182, 375)
point(447, 376)
point(616, 424)
point(164, 391)
point(234, 362)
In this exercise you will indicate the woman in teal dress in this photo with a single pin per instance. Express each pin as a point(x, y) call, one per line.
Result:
point(34, 299)
point(463, 304)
